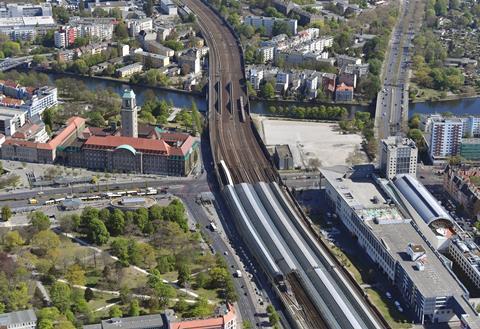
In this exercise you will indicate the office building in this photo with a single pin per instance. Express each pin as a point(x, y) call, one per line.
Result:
point(41, 99)
point(445, 136)
point(28, 151)
point(11, 120)
point(269, 22)
point(168, 7)
point(25, 28)
point(25, 319)
point(366, 206)
point(470, 149)
point(25, 10)
point(398, 156)
point(129, 113)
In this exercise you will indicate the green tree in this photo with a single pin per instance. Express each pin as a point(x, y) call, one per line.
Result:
point(61, 294)
point(6, 213)
point(45, 241)
point(115, 312)
point(12, 240)
point(97, 232)
point(267, 90)
point(121, 31)
point(76, 275)
point(116, 222)
point(201, 280)
point(184, 274)
point(39, 221)
point(134, 309)
point(89, 294)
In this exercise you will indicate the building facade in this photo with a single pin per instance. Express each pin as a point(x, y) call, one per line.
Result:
point(398, 156)
point(445, 137)
point(470, 149)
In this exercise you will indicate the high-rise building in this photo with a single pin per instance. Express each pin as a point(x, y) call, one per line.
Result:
point(129, 114)
point(445, 137)
point(398, 156)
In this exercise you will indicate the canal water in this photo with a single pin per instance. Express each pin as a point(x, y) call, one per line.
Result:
point(468, 106)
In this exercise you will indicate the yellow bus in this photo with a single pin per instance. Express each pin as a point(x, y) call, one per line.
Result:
point(32, 201)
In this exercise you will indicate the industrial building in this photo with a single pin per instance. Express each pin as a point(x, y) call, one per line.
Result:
point(398, 156)
point(373, 211)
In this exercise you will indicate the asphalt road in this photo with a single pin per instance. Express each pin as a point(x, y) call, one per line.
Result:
point(392, 100)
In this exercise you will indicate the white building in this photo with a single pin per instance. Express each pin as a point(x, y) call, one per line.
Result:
point(311, 86)
point(137, 25)
point(11, 120)
point(129, 70)
point(445, 136)
point(153, 60)
point(398, 156)
point(266, 53)
point(123, 6)
point(191, 57)
point(168, 7)
point(19, 320)
point(269, 22)
point(25, 10)
point(282, 81)
point(42, 99)
point(255, 78)
point(25, 28)
point(471, 126)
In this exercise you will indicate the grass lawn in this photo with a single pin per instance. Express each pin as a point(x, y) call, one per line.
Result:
point(101, 300)
point(170, 276)
point(425, 94)
point(211, 294)
point(132, 278)
point(390, 314)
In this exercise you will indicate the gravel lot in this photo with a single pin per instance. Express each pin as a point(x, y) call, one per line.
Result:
point(314, 140)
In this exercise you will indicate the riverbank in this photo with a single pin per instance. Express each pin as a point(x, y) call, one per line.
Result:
point(117, 80)
point(310, 103)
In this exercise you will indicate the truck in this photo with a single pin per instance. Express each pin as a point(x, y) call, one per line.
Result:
point(238, 274)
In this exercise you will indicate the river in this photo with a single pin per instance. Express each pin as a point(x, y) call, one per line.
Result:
point(467, 106)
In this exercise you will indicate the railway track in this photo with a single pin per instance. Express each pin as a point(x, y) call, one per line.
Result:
point(232, 140)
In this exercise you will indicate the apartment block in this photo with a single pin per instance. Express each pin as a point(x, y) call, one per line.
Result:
point(445, 137)
point(269, 22)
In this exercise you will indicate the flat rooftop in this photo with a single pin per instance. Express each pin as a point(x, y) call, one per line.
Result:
point(396, 234)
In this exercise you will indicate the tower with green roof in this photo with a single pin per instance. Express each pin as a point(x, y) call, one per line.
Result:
point(129, 114)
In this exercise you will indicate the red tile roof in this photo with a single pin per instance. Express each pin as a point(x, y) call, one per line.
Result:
point(211, 323)
point(9, 101)
point(145, 145)
point(344, 87)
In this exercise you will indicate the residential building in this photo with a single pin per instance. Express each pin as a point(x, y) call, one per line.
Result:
point(347, 78)
point(65, 37)
point(471, 126)
point(151, 60)
point(41, 99)
point(128, 70)
point(470, 149)
point(32, 131)
point(466, 255)
point(343, 93)
point(398, 156)
point(25, 319)
point(189, 60)
point(129, 114)
point(168, 7)
point(255, 78)
point(282, 82)
point(156, 47)
point(269, 22)
point(311, 86)
point(458, 184)
point(96, 28)
point(283, 157)
point(11, 120)
point(445, 137)
point(365, 206)
point(266, 53)
point(344, 60)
